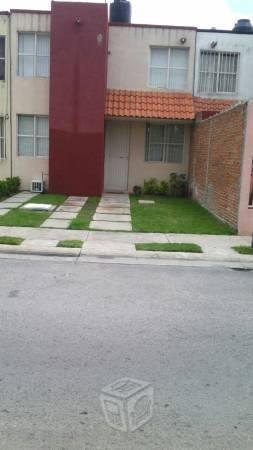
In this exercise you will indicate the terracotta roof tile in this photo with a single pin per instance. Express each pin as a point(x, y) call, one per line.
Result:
point(211, 104)
point(160, 105)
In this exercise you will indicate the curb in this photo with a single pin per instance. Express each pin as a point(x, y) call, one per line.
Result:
point(54, 251)
point(137, 258)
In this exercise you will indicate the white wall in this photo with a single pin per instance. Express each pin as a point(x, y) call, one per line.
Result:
point(241, 43)
point(30, 95)
point(129, 54)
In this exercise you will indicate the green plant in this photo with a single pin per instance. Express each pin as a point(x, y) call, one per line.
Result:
point(164, 188)
point(151, 186)
point(10, 240)
point(243, 250)
point(74, 243)
point(13, 184)
point(170, 247)
point(137, 190)
point(9, 186)
point(177, 185)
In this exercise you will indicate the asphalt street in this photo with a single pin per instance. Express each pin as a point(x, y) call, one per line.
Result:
point(69, 329)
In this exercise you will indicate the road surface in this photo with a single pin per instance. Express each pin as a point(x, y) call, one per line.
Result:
point(68, 329)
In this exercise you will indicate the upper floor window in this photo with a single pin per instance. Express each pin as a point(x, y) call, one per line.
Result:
point(2, 140)
point(32, 135)
point(218, 72)
point(33, 54)
point(2, 58)
point(164, 143)
point(169, 68)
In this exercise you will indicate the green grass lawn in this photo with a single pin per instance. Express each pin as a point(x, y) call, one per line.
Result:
point(10, 240)
point(55, 199)
point(243, 250)
point(70, 243)
point(174, 215)
point(170, 247)
point(84, 217)
point(21, 218)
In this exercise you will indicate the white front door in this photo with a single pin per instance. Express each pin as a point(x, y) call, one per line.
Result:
point(116, 156)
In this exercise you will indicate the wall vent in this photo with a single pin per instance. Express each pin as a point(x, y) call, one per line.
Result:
point(37, 186)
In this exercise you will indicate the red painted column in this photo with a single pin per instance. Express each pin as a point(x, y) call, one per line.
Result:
point(79, 42)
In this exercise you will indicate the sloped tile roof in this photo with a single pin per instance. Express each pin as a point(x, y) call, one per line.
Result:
point(160, 105)
point(210, 104)
point(152, 105)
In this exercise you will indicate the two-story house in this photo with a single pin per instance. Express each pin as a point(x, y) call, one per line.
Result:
point(87, 105)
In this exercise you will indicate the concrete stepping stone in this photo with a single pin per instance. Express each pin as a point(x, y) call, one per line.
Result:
point(114, 226)
point(66, 208)
point(146, 202)
point(73, 203)
point(15, 200)
point(63, 215)
point(74, 198)
point(6, 205)
point(113, 217)
point(4, 211)
point(56, 223)
point(113, 205)
point(107, 210)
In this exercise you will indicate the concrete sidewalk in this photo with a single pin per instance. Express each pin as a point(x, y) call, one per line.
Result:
point(121, 244)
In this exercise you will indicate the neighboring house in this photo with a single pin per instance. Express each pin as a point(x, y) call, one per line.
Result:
point(94, 106)
point(5, 143)
point(224, 64)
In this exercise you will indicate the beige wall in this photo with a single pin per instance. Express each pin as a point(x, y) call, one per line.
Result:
point(4, 97)
point(139, 169)
point(129, 54)
point(30, 95)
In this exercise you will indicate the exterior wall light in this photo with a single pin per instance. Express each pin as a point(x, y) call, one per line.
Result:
point(183, 40)
point(213, 44)
point(78, 21)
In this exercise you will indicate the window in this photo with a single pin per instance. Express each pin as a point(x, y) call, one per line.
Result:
point(218, 72)
point(2, 58)
point(164, 143)
point(32, 136)
point(169, 68)
point(2, 140)
point(33, 54)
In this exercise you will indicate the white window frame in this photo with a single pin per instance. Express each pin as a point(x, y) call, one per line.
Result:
point(168, 68)
point(34, 136)
point(3, 58)
point(164, 144)
point(2, 139)
point(34, 55)
point(220, 53)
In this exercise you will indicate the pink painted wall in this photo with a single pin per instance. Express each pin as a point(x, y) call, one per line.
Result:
point(245, 219)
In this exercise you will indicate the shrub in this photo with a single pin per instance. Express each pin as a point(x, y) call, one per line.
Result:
point(151, 186)
point(177, 185)
point(9, 186)
point(164, 188)
point(13, 184)
point(137, 190)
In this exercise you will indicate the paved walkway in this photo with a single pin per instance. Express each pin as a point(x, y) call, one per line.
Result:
point(15, 201)
point(113, 213)
point(99, 243)
point(64, 214)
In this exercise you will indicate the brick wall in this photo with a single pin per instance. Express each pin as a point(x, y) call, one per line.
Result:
point(215, 162)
